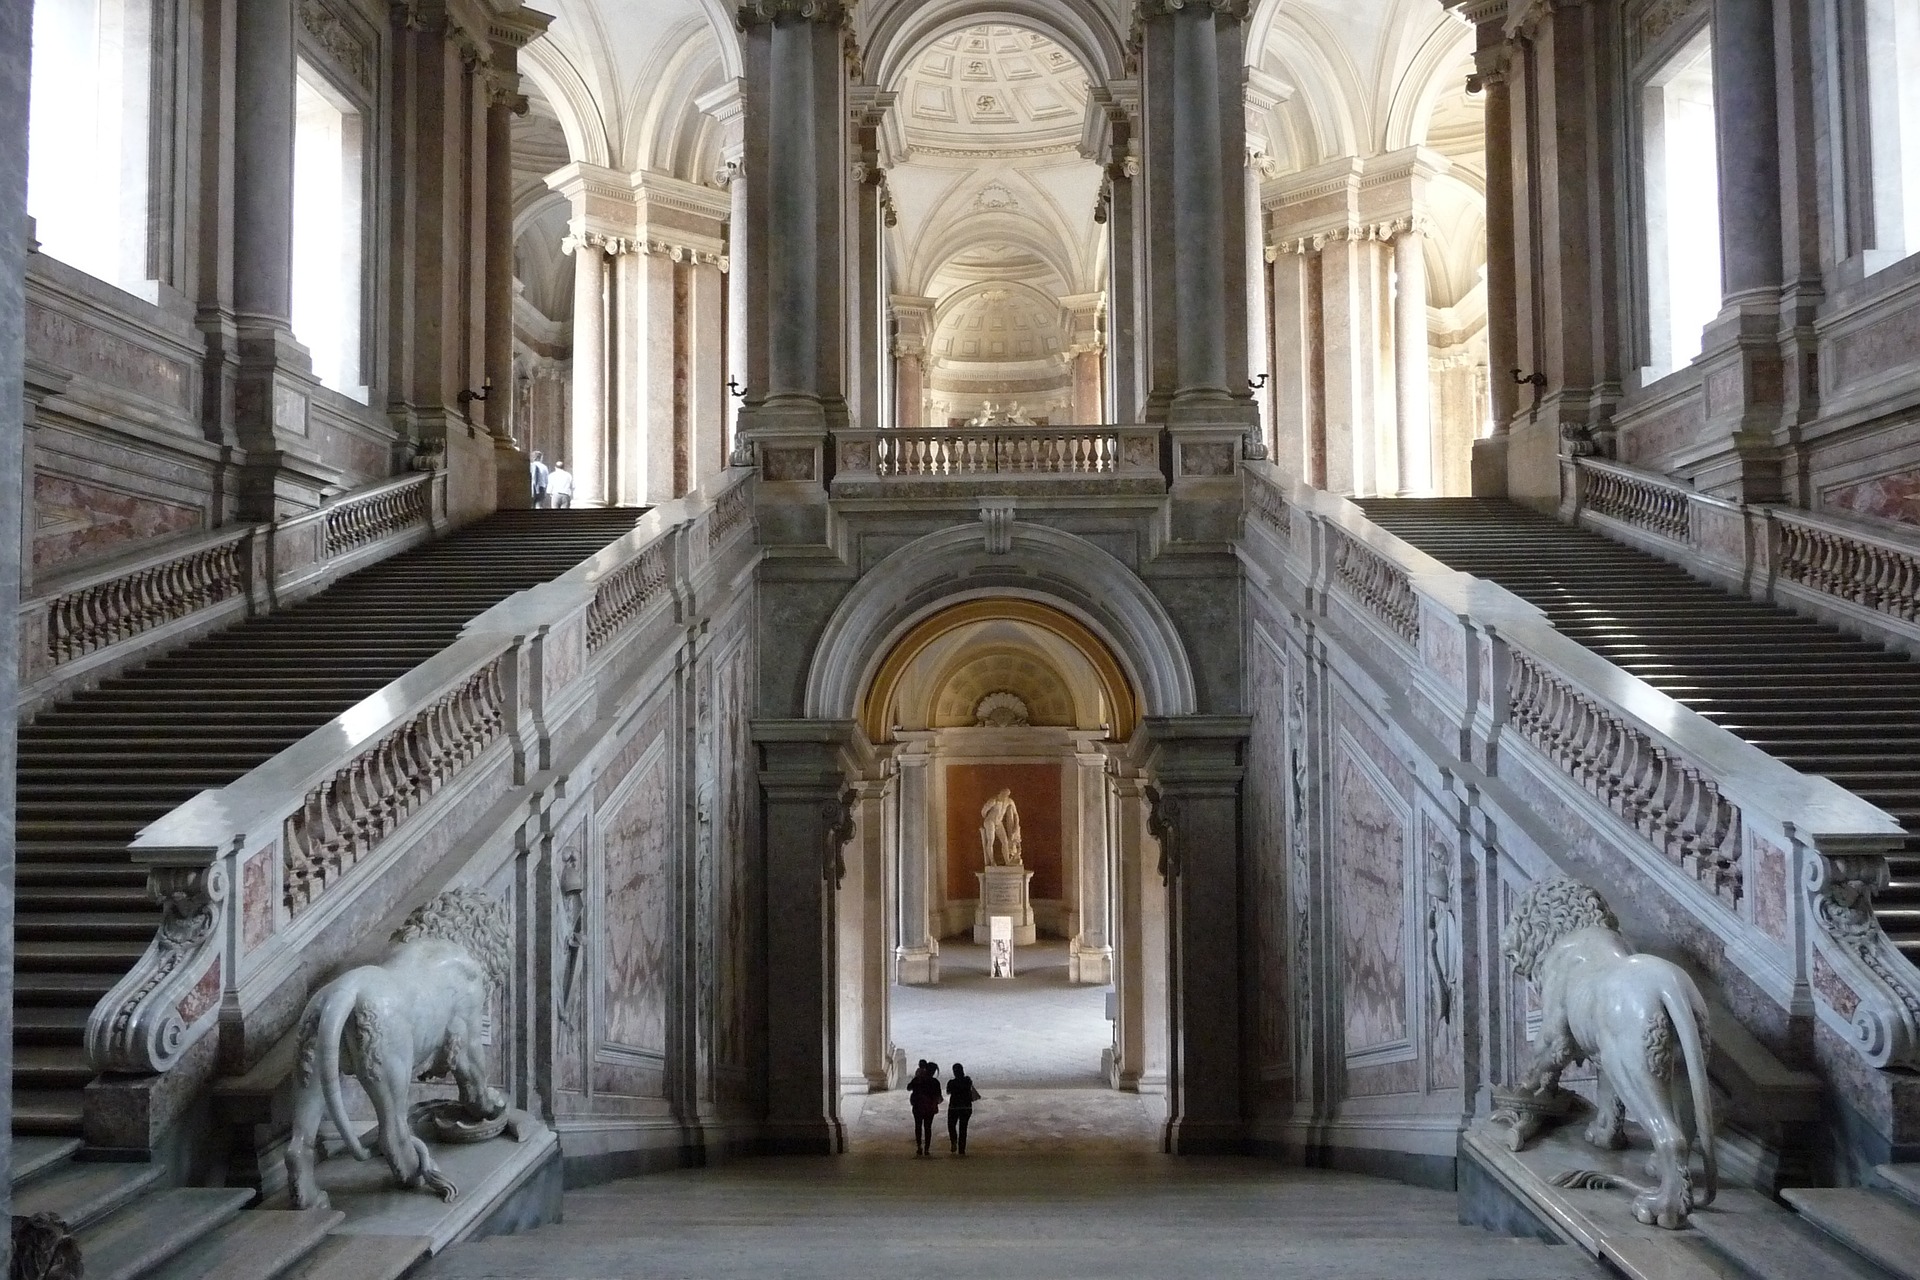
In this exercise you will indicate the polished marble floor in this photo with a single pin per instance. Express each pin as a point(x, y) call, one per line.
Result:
point(1063, 1180)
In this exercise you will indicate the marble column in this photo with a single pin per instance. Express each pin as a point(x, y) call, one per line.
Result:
point(1413, 410)
point(1353, 310)
point(1191, 92)
point(1119, 100)
point(727, 106)
point(587, 439)
point(642, 422)
point(16, 43)
point(864, 945)
point(868, 305)
point(804, 765)
point(1259, 339)
point(514, 479)
point(1748, 147)
point(796, 117)
point(1086, 385)
point(1492, 60)
point(1090, 957)
point(916, 953)
point(1196, 766)
point(912, 335)
point(1293, 327)
point(707, 389)
point(263, 167)
point(1139, 1062)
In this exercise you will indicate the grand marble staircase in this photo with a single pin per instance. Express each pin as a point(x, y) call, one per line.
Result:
point(1808, 694)
point(99, 766)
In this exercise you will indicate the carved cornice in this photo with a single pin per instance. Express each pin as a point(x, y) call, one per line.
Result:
point(340, 40)
point(1384, 230)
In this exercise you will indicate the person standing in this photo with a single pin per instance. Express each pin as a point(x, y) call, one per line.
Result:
point(560, 486)
point(923, 1094)
point(961, 1095)
point(539, 468)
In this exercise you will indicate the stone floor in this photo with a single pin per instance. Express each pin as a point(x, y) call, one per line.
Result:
point(1063, 1180)
point(1031, 1043)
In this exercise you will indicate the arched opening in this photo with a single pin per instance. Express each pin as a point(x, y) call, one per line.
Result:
point(1015, 916)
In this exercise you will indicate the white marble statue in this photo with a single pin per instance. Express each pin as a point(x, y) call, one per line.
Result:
point(1000, 831)
point(417, 1013)
point(1636, 1018)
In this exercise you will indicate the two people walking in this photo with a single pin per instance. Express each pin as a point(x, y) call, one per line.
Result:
point(924, 1093)
point(552, 487)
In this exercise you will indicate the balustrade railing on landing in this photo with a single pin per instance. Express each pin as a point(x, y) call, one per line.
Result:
point(268, 880)
point(81, 627)
point(1097, 452)
point(1854, 574)
point(1780, 864)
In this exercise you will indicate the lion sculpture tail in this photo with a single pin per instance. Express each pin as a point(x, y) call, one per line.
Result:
point(337, 1005)
point(1687, 1011)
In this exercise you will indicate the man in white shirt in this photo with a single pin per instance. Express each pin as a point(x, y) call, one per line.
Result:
point(560, 486)
point(539, 469)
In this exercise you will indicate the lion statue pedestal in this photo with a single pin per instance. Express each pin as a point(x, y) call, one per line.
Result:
point(418, 1013)
point(1637, 1019)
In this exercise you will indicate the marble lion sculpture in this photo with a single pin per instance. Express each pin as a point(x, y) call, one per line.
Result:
point(415, 1014)
point(1627, 1014)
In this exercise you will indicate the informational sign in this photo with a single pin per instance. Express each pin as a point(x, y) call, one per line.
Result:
point(1000, 946)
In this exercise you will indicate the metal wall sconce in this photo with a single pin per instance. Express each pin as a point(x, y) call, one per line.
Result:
point(468, 395)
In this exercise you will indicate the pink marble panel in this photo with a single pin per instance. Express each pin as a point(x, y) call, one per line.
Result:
point(75, 521)
point(204, 995)
point(1833, 987)
point(77, 347)
point(1369, 852)
point(256, 899)
point(735, 885)
point(636, 851)
point(1888, 497)
point(1873, 349)
point(1768, 886)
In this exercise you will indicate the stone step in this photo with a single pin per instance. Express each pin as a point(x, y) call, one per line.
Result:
point(56, 1068)
point(32, 989)
point(49, 1025)
point(343, 1257)
point(28, 1157)
point(1872, 1223)
point(259, 1244)
point(154, 1229)
point(86, 926)
point(83, 1192)
point(1904, 1179)
point(113, 955)
point(45, 1111)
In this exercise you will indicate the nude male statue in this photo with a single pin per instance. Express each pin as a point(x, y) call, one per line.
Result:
point(1000, 831)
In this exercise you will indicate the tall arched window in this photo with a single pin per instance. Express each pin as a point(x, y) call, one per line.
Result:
point(87, 151)
point(327, 212)
point(1682, 205)
point(1893, 128)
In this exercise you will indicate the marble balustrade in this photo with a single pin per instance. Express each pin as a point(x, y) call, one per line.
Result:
point(84, 627)
point(275, 879)
point(1862, 577)
point(1456, 760)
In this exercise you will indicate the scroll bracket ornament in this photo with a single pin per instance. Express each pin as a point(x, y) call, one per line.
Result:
point(160, 1008)
point(1884, 1024)
point(1163, 821)
point(837, 817)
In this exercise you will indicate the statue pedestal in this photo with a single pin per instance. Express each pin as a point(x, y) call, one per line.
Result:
point(1003, 892)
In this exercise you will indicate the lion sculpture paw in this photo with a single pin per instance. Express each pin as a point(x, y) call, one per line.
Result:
point(431, 989)
point(1637, 1018)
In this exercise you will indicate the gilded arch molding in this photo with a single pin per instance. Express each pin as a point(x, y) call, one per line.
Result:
point(1066, 576)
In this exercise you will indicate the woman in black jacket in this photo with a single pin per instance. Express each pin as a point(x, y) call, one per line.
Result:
point(961, 1095)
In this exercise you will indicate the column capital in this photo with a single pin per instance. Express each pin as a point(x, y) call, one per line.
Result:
point(831, 13)
point(1238, 10)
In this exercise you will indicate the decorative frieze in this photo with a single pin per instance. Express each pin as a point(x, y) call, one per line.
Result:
point(340, 42)
point(831, 12)
point(1238, 10)
point(347, 816)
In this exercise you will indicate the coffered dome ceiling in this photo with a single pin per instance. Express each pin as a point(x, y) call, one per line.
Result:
point(993, 87)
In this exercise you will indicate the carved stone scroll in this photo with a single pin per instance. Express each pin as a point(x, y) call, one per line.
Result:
point(1884, 1017)
point(173, 992)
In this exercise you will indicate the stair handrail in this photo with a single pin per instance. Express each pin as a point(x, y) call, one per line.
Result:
point(272, 877)
point(1690, 792)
